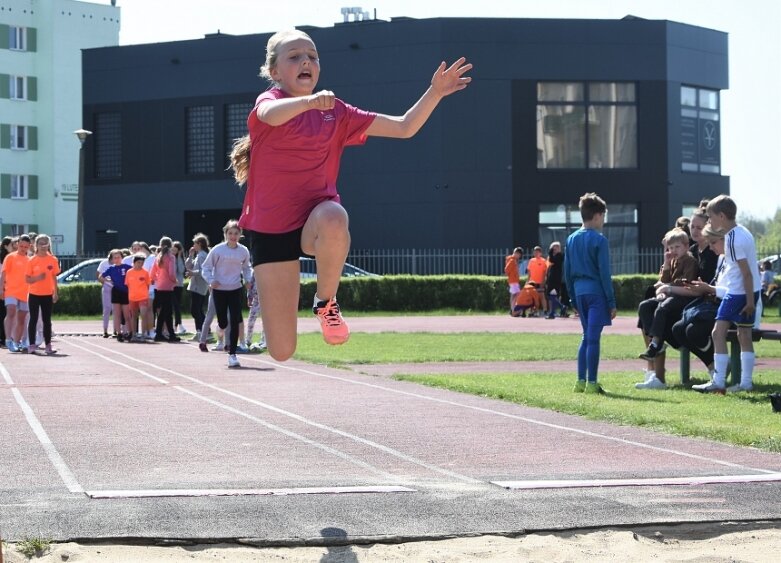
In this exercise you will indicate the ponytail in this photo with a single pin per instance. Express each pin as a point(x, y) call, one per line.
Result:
point(239, 156)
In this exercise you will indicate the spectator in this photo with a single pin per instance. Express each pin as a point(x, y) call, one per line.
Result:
point(654, 377)
point(178, 252)
point(7, 246)
point(587, 275)
point(511, 270)
point(137, 281)
point(679, 268)
point(197, 287)
point(537, 268)
point(528, 299)
point(15, 290)
point(41, 275)
point(119, 294)
point(163, 276)
point(738, 304)
point(553, 286)
point(693, 330)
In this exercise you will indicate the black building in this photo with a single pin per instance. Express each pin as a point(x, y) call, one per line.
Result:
point(627, 108)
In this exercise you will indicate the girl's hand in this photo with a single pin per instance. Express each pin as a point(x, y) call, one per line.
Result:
point(214, 285)
point(448, 80)
point(322, 100)
point(55, 297)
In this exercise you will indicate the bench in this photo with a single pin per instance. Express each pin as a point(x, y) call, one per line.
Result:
point(734, 361)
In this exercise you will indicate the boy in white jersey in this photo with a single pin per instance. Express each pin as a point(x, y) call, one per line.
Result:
point(741, 284)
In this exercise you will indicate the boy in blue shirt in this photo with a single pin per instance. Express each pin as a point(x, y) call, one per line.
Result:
point(587, 275)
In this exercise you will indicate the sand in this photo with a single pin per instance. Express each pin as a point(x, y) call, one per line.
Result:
point(719, 542)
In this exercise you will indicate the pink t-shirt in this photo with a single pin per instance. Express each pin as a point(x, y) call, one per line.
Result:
point(294, 166)
point(164, 277)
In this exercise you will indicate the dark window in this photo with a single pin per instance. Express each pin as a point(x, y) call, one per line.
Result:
point(586, 125)
point(236, 121)
point(700, 130)
point(557, 222)
point(200, 140)
point(108, 145)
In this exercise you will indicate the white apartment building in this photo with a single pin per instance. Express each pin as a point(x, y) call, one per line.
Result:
point(41, 107)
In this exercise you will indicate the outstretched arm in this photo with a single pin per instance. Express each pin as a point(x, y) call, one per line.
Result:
point(444, 82)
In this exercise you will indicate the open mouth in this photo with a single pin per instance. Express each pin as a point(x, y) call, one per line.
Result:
point(305, 74)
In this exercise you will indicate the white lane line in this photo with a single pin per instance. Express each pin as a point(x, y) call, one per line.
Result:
point(386, 449)
point(155, 493)
point(290, 434)
point(518, 417)
point(62, 468)
point(689, 480)
point(6, 375)
point(268, 425)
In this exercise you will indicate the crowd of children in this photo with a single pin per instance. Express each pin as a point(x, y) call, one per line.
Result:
point(543, 293)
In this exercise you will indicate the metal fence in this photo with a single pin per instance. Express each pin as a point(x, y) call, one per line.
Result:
point(472, 261)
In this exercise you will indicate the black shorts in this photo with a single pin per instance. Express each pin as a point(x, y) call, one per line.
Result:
point(119, 297)
point(274, 247)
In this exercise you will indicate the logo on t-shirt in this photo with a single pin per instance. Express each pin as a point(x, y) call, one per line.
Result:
point(49, 267)
point(328, 117)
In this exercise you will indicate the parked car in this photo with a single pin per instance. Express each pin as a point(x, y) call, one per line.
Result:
point(309, 270)
point(86, 271)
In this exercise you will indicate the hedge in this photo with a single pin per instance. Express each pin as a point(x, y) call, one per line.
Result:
point(387, 293)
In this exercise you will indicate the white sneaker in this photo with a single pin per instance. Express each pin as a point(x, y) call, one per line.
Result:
point(652, 382)
point(648, 374)
point(180, 329)
point(219, 347)
point(233, 361)
point(739, 388)
point(258, 347)
point(710, 387)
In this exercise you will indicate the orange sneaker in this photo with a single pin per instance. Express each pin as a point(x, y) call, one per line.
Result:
point(335, 330)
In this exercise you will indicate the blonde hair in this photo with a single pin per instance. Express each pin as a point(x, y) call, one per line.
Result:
point(712, 233)
point(676, 235)
point(271, 49)
point(723, 204)
point(47, 238)
point(239, 157)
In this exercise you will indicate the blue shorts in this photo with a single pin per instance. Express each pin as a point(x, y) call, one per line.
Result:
point(730, 308)
point(593, 310)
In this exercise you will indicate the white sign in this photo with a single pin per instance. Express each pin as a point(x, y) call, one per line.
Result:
point(58, 239)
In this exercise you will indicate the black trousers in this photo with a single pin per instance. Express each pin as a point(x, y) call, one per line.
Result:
point(178, 304)
point(44, 304)
point(165, 317)
point(197, 302)
point(696, 337)
point(657, 317)
point(225, 301)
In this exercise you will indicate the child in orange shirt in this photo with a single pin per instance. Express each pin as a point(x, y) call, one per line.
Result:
point(41, 274)
point(137, 281)
point(528, 298)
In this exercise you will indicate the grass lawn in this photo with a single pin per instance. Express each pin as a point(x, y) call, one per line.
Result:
point(743, 419)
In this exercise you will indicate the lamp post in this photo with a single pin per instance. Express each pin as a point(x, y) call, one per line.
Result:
point(82, 135)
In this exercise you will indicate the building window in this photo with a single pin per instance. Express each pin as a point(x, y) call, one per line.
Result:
point(586, 125)
point(18, 230)
point(200, 140)
point(19, 137)
point(236, 121)
point(558, 221)
point(700, 130)
point(108, 145)
point(18, 88)
point(17, 38)
point(19, 187)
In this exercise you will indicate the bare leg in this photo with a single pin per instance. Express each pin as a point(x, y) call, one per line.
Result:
point(279, 287)
point(327, 238)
